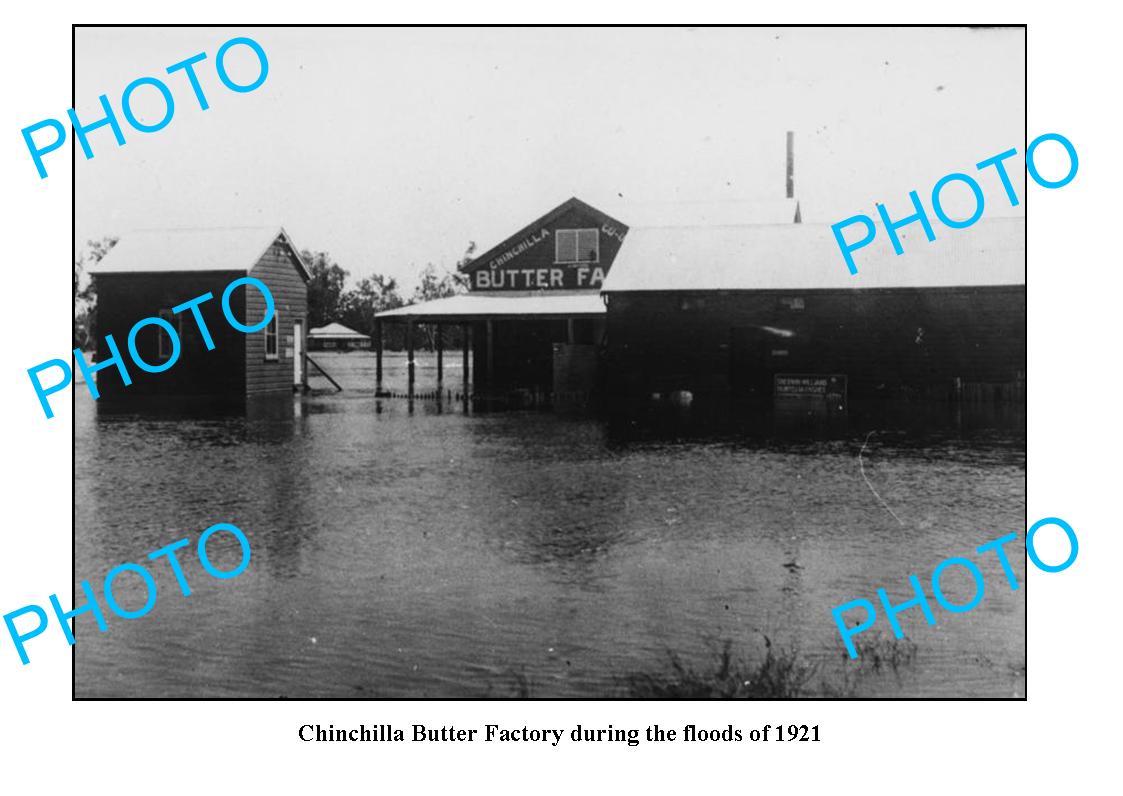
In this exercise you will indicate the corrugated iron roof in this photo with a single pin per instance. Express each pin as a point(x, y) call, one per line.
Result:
point(705, 214)
point(336, 330)
point(172, 250)
point(474, 306)
point(807, 257)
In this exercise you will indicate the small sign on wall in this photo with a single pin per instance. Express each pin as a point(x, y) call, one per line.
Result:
point(830, 389)
point(288, 352)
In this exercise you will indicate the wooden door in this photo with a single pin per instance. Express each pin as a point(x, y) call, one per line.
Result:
point(298, 353)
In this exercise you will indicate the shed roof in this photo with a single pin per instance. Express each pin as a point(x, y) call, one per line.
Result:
point(174, 250)
point(706, 213)
point(516, 304)
point(337, 330)
point(807, 257)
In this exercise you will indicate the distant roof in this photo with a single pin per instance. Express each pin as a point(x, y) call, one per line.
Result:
point(707, 214)
point(215, 249)
point(337, 330)
point(806, 257)
point(515, 304)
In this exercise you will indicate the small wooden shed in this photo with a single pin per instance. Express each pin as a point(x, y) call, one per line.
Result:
point(148, 273)
point(336, 337)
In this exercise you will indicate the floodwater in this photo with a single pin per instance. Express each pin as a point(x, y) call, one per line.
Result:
point(435, 553)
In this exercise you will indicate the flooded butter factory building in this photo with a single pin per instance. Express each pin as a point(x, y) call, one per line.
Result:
point(761, 311)
point(534, 314)
point(737, 301)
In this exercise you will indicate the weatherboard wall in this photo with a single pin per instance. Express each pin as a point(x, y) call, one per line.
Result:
point(278, 269)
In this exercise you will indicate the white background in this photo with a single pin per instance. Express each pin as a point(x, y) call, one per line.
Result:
point(1060, 738)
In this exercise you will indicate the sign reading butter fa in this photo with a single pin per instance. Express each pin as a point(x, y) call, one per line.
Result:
point(570, 248)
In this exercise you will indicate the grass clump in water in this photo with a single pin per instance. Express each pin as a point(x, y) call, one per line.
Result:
point(782, 674)
point(884, 653)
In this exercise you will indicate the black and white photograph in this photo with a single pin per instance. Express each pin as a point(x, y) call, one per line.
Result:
point(540, 363)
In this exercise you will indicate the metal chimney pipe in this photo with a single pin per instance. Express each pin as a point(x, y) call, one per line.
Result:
point(791, 164)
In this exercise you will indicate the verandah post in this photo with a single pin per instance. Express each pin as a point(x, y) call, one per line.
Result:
point(466, 339)
point(440, 356)
point(409, 354)
point(490, 375)
point(378, 355)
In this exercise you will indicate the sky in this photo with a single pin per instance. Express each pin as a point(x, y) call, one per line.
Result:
point(393, 148)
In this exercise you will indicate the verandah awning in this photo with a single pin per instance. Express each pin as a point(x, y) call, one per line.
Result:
point(499, 306)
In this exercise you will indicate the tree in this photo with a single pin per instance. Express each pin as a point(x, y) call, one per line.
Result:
point(463, 263)
point(85, 292)
point(325, 288)
point(372, 295)
point(434, 285)
point(329, 302)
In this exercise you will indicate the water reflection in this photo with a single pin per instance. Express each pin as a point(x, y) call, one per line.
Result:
point(915, 421)
point(438, 553)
